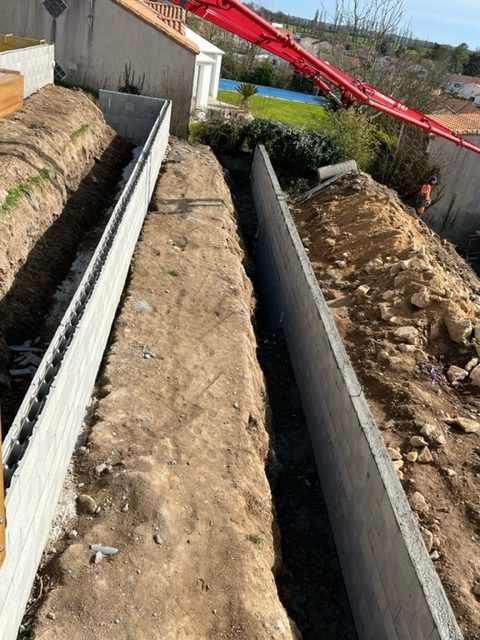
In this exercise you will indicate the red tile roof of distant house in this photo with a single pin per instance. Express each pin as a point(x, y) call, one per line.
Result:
point(173, 15)
point(456, 77)
point(461, 123)
point(152, 18)
point(455, 105)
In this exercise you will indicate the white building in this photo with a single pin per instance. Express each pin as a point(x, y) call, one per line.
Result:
point(207, 70)
point(465, 86)
point(455, 212)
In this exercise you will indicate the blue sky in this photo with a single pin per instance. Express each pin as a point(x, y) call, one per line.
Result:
point(444, 21)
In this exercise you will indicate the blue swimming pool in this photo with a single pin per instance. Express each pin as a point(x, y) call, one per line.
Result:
point(273, 92)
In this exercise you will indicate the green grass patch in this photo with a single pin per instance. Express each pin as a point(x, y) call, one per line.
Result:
point(80, 131)
point(296, 113)
point(257, 539)
point(15, 194)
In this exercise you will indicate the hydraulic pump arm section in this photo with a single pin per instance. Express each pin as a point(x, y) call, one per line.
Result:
point(242, 21)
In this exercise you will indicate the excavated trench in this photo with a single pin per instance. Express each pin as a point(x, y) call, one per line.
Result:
point(309, 579)
point(309, 582)
point(43, 287)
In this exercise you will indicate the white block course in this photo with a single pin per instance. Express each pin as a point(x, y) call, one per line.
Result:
point(393, 588)
point(35, 63)
point(37, 480)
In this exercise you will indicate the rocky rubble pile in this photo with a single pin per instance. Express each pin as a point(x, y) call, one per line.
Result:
point(408, 309)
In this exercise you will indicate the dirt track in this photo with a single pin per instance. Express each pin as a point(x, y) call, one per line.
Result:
point(183, 441)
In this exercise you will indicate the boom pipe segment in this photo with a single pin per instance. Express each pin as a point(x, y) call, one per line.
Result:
point(239, 19)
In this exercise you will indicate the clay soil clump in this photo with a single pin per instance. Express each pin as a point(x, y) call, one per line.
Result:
point(408, 309)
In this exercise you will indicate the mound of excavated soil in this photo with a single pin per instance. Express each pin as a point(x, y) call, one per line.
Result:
point(407, 307)
point(47, 149)
point(175, 460)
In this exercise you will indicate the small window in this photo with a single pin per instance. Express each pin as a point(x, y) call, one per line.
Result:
point(58, 73)
point(55, 8)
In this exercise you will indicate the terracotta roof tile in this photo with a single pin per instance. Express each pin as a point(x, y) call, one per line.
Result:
point(151, 17)
point(456, 77)
point(173, 15)
point(454, 105)
point(462, 123)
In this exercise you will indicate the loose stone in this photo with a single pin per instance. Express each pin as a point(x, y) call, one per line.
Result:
point(418, 502)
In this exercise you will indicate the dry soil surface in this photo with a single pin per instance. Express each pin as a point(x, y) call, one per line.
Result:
point(174, 462)
point(407, 308)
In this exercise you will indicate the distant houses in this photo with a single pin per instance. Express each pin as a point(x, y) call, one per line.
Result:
point(464, 86)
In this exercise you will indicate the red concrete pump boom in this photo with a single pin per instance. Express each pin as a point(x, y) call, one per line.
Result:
point(242, 21)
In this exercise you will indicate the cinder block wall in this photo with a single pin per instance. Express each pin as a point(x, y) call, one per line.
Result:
point(40, 443)
point(35, 63)
point(393, 588)
point(131, 116)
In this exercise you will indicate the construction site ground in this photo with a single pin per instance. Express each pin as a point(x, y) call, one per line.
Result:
point(171, 467)
point(407, 307)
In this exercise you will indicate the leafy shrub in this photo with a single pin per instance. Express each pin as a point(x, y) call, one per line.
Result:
point(223, 134)
point(297, 148)
point(355, 134)
point(263, 73)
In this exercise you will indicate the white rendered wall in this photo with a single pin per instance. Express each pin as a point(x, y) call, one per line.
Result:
point(35, 63)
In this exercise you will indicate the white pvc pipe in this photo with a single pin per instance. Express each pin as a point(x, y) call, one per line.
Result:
point(332, 170)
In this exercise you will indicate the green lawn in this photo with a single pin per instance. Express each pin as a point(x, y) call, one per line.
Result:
point(297, 113)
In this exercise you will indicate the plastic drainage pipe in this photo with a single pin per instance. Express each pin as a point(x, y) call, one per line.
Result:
point(332, 170)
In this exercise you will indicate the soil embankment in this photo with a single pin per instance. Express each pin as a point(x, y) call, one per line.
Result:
point(408, 309)
point(60, 164)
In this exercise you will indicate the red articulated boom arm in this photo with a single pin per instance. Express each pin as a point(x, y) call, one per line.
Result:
point(235, 17)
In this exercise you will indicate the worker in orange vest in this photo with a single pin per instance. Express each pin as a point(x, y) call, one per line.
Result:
point(424, 199)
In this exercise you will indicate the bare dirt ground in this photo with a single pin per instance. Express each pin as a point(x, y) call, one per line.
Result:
point(407, 308)
point(59, 161)
point(174, 464)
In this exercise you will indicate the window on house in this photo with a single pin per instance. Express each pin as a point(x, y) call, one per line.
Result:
point(55, 7)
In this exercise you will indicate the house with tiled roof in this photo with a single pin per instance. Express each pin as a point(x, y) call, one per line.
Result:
point(464, 86)
point(455, 212)
point(208, 61)
point(96, 41)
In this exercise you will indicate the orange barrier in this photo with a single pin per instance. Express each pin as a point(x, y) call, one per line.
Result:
point(11, 91)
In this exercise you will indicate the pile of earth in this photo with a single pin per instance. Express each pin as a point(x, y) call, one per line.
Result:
point(60, 164)
point(408, 310)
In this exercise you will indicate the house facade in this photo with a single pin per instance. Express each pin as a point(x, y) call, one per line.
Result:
point(95, 42)
point(455, 212)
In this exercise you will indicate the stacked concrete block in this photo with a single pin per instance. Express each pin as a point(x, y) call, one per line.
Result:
point(130, 115)
point(393, 588)
point(36, 64)
point(37, 481)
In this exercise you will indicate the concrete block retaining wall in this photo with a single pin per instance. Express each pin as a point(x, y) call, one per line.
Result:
point(393, 588)
point(35, 63)
point(131, 116)
point(39, 445)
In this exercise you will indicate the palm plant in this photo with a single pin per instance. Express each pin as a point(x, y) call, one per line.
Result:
point(246, 90)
